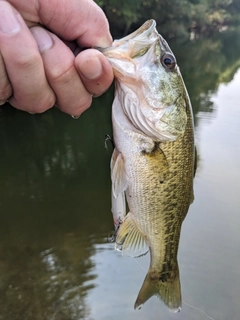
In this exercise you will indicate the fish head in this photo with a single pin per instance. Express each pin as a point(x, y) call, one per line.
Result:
point(148, 75)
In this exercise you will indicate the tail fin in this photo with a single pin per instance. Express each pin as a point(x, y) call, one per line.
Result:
point(169, 291)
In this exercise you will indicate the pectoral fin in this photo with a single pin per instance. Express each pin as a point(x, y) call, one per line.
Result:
point(118, 209)
point(119, 185)
point(118, 174)
point(130, 240)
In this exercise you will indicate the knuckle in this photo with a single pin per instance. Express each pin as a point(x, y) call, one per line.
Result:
point(29, 61)
point(75, 108)
point(40, 108)
point(43, 104)
point(85, 103)
point(62, 74)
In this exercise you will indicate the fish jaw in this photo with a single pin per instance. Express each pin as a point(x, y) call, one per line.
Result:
point(145, 31)
point(134, 57)
point(143, 36)
point(137, 62)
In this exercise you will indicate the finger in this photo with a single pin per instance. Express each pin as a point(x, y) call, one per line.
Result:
point(23, 63)
point(95, 71)
point(5, 86)
point(71, 95)
point(82, 20)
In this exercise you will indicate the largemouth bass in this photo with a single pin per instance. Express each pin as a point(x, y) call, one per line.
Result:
point(153, 161)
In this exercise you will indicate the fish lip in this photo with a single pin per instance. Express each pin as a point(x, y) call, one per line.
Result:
point(141, 33)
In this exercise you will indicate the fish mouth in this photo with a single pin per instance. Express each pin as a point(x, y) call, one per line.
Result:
point(142, 35)
point(121, 55)
point(143, 32)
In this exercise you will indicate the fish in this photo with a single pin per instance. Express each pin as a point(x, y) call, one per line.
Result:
point(152, 165)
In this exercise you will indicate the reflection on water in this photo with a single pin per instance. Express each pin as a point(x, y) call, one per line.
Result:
point(205, 64)
point(55, 209)
point(54, 206)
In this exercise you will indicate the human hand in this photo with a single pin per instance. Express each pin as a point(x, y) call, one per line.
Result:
point(38, 69)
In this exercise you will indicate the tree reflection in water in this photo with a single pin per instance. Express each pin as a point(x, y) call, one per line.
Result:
point(54, 200)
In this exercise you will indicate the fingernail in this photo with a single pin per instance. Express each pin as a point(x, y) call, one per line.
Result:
point(42, 37)
point(104, 42)
point(8, 19)
point(92, 68)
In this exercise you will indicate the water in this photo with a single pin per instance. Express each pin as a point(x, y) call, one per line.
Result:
point(55, 261)
point(209, 255)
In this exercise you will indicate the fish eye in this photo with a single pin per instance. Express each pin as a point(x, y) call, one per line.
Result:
point(168, 61)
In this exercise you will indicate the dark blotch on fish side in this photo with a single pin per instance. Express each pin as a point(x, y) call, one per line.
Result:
point(167, 276)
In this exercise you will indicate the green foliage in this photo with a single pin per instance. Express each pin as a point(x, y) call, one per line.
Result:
point(176, 18)
point(121, 14)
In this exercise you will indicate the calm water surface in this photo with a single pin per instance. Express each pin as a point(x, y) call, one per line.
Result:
point(55, 261)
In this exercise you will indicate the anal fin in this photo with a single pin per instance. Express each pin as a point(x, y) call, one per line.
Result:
point(130, 240)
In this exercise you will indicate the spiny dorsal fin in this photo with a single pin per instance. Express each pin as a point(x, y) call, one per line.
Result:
point(130, 240)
